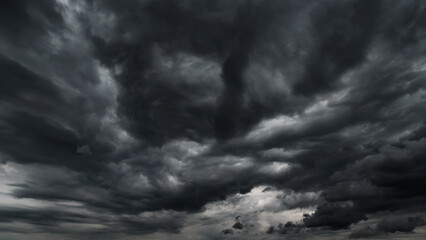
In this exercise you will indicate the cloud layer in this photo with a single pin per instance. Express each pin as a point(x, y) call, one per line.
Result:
point(212, 119)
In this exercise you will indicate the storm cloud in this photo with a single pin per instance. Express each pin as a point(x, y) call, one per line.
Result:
point(166, 119)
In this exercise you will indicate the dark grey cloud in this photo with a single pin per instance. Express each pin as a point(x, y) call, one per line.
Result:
point(238, 225)
point(288, 227)
point(365, 233)
point(143, 113)
point(334, 216)
point(400, 224)
point(386, 226)
point(227, 231)
point(28, 19)
point(341, 42)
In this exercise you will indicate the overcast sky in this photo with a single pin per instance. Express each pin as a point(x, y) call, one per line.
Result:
point(212, 119)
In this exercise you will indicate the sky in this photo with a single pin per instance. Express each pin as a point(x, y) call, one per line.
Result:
point(212, 119)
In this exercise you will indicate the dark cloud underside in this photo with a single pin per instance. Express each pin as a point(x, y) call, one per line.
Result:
point(137, 117)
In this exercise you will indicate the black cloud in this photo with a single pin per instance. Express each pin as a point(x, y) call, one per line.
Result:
point(144, 112)
point(238, 225)
point(334, 216)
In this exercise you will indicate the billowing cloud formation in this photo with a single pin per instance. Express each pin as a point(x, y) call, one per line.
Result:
point(120, 119)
